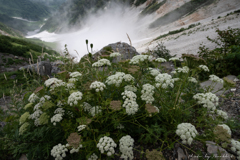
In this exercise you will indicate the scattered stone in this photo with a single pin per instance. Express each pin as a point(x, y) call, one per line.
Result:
point(181, 155)
point(13, 76)
point(217, 87)
point(217, 151)
point(42, 68)
point(126, 51)
point(23, 157)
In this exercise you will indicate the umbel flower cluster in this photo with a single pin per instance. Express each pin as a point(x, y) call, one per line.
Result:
point(140, 58)
point(106, 144)
point(147, 93)
point(120, 104)
point(130, 102)
point(117, 79)
point(164, 80)
point(98, 86)
point(115, 54)
point(126, 147)
point(74, 98)
point(75, 74)
point(209, 100)
point(187, 132)
point(204, 67)
point(102, 62)
point(235, 147)
point(154, 72)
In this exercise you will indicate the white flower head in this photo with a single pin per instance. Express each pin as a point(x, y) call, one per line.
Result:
point(130, 102)
point(191, 79)
point(160, 60)
point(101, 63)
point(126, 147)
point(140, 58)
point(56, 118)
point(74, 98)
point(106, 144)
point(75, 74)
point(115, 54)
point(215, 78)
point(53, 83)
point(174, 59)
point(209, 100)
point(147, 93)
point(98, 86)
point(33, 98)
point(187, 132)
point(204, 67)
point(59, 151)
point(164, 80)
point(226, 128)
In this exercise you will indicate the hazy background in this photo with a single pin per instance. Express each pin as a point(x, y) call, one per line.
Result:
point(106, 26)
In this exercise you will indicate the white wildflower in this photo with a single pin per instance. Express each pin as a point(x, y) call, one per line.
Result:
point(164, 80)
point(33, 98)
point(115, 54)
point(81, 127)
point(117, 78)
point(106, 144)
point(53, 83)
point(160, 60)
point(187, 132)
point(130, 88)
point(56, 118)
point(126, 147)
point(222, 114)
point(226, 128)
point(59, 151)
point(75, 74)
point(59, 111)
point(93, 157)
point(209, 100)
point(101, 63)
point(174, 59)
point(215, 78)
point(191, 79)
point(75, 150)
point(98, 86)
point(140, 58)
point(130, 102)
point(204, 67)
point(185, 69)
point(95, 110)
point(147, 93)
point(74, 98)
point(154, 72)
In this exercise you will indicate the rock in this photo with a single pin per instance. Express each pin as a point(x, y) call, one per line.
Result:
point(218, 86)
point(43, 68)
point(23, 157)
point(9, 69)
point(217, 151)
point(55, 67)
point(124, 49)
point(13, 76)
point(181, 155)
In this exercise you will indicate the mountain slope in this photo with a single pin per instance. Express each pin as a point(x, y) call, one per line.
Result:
point(24, 8)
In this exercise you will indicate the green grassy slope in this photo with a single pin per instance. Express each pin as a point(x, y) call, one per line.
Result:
point(24, 8)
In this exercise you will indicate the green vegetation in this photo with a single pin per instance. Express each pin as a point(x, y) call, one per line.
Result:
point(139, 2)
point(153, 7)
point(77, 113)
point(24, 8)
point(19, 25)
point(9, 30)
point(177, 31)
point(176, 14)
point(224, 59)
point(23, 47)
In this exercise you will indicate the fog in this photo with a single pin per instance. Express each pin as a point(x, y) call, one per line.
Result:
point(107, 26)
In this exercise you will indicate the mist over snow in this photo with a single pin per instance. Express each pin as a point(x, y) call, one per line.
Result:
point(107, 26)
